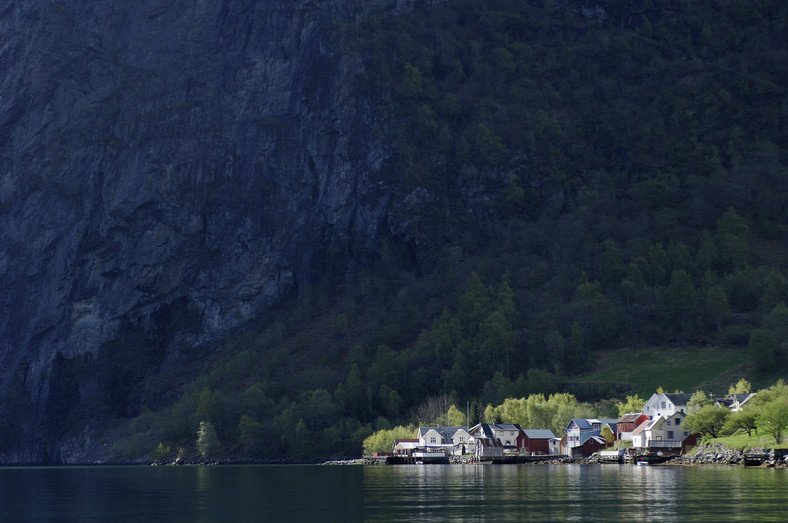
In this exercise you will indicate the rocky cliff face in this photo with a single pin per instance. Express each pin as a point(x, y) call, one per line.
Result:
point(158, 155)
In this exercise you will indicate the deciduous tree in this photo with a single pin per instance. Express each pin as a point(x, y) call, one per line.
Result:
point(631, 404)
point(207, 439)
point(745, 419)
point(708, 420)
point(773, 418)
point(741, 387)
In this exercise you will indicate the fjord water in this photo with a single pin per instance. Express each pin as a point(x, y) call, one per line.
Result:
point(393, 493)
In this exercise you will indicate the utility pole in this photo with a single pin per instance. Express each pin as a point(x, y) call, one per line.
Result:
point(467, 416)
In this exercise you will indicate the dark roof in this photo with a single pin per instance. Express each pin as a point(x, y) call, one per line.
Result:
point(678, 398)
point(587, 423)
point(581, 423)
point(539, 433)
point(446, 433)
point(740, 397)
point(505, 426)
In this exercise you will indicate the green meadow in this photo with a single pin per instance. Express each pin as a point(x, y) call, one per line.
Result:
point(741, 440)
point(673, 369)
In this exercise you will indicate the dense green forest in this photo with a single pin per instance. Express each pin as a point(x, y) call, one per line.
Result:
point(592, 178)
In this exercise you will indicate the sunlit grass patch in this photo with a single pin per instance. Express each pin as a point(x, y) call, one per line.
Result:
point(669, 368)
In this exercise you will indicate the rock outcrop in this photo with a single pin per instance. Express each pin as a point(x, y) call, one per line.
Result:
point(171, 166)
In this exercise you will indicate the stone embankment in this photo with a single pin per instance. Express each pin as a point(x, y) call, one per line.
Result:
point(718, 454)
point(359, 461)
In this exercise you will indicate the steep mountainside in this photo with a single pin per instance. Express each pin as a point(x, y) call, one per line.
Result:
point(170, 167)
point(312, 218)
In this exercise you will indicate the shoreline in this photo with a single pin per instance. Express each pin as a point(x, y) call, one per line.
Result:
point(702, 455)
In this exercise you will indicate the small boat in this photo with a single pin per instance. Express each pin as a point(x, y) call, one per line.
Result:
point(641, 462)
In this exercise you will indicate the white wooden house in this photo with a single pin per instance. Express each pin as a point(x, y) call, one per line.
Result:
point(451, 440)
point(665, 404)
point(664, 433)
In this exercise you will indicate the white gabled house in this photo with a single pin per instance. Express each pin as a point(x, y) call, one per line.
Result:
point(509, 435)
point(405, 447)
point(664, 433)
point(451, 440)
point(665, 404)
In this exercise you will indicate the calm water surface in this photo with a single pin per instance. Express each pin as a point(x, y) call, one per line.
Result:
point(394, 493)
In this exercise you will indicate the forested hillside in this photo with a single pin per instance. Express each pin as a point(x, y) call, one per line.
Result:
point(577, 176)
point(583, 176)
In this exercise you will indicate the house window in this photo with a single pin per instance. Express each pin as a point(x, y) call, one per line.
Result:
point(596, 426)
point(670, 434)
point(668, 423)
point(678, 420)
point(432, 439)
point(663, 404)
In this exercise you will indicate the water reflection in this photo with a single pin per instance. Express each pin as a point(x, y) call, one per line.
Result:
point(573, 493)
point(394, 493)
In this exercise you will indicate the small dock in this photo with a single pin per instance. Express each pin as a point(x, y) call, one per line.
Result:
point(764, 458)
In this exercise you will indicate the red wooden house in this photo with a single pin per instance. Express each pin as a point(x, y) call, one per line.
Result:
point(536, 441)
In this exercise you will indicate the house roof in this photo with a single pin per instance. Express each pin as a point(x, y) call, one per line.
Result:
point(539, 433)
point(596, 439)
point(489, 442)
point(489, 429)
point(406, 444)
point(678, 398)
point(740, 399)
point(640, 428)
point(588, 423)
point(446, 433)
point(630, 417)
point(581, 423)
point(505, 426)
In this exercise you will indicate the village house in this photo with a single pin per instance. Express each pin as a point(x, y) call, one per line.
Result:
point(537, 441)
point(487, 448)
point(665, 434)
point(509, 435)
point(405, 447)
point(590, 446)
point(735, 402)
point(451, 440)
point(580, 430)
point(666, 404)
point(554, 444)
point(627, 424)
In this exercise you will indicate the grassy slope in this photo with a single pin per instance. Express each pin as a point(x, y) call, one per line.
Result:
point(683, 369)
point(743, 441)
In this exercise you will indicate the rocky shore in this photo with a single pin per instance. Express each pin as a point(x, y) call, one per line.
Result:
point(718, 454)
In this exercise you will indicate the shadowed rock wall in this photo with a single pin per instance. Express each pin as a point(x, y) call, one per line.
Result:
point(156, 153)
